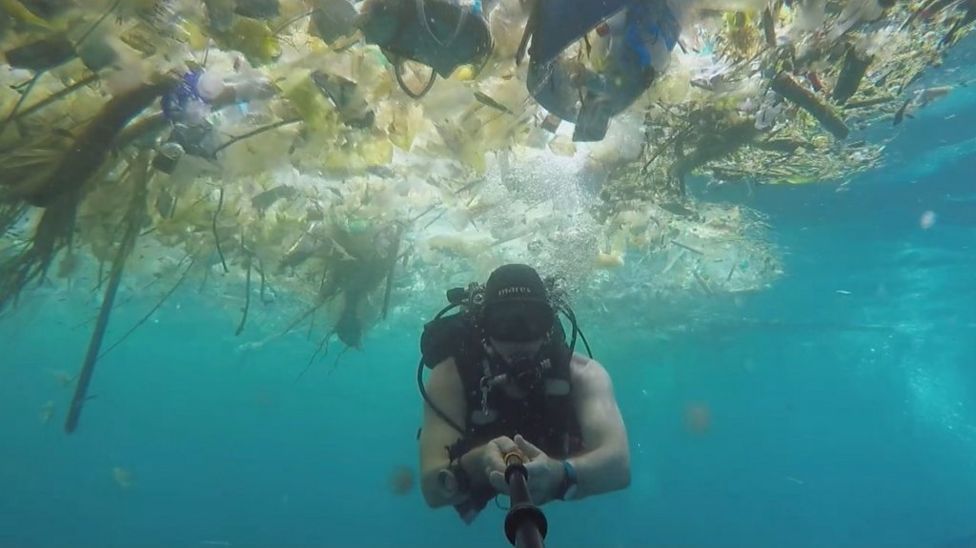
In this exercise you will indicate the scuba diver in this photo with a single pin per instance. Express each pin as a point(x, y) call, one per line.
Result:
point(504, 380)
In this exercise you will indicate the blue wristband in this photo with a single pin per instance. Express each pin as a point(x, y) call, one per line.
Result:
point(568, 487)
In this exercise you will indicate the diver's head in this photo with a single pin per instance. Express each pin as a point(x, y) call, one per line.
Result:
point(517, 318)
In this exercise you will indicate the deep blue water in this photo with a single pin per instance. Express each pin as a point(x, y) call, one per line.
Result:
point(842, 403)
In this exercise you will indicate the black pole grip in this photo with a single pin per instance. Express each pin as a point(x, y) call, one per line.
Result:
point(525, 524)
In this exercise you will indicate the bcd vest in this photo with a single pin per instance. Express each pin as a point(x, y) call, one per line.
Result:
point(545, 417)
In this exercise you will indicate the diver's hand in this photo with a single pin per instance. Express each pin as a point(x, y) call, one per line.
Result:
point(545, 473)
point(490, 459)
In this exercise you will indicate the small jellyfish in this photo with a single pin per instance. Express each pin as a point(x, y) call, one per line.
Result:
point(61, 377)
point(698, 418)
point(401, 480)
point(122, 477)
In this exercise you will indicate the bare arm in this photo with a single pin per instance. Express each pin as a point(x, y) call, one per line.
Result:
point(604, 464)
point(445, 390)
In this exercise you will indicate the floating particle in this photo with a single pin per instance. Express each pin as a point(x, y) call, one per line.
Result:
point(47, 411)
point(927, 220)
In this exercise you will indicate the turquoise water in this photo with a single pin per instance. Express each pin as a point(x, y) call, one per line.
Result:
point(837, 408)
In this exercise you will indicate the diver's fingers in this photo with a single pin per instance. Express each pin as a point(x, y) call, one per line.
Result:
point(494, 454)
point(529, 450)
point(505, 444)
point(494, 462)
point(497, 480)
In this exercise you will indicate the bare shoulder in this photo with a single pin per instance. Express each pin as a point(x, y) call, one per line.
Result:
point(445, 391)
point(587, 373)
point(444, 378)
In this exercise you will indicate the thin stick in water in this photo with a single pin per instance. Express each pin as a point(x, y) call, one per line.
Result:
point(292, 21)
point(247, 298)
point(335, 364)
point(311, 326)
point(701, 281)
point(134, 217)
point(101, 276)
point(689, 248)
point(92, 28)
point(263, 282)
point(257, 131)
point(323, 343)
point(394, 252)
point(220, 205)
point(23, 97)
